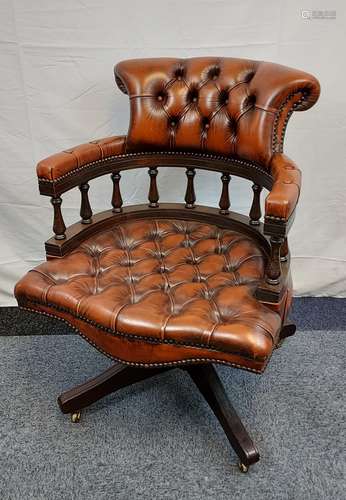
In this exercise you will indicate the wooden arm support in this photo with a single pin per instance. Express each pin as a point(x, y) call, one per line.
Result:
point(280, 207)
point(69, 162)
point(283, 197)
point(62, 164)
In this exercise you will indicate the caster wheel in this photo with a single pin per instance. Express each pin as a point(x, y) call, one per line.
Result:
point(75, 417)
point(243, 468)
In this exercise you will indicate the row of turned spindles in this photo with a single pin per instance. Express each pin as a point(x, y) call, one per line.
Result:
point(277, 255)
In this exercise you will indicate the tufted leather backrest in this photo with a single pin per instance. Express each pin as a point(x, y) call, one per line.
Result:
point(232, 107)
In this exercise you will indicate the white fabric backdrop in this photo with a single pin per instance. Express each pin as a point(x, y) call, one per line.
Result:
point(57, 90)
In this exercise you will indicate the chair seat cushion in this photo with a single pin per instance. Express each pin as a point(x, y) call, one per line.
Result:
point(154, 292)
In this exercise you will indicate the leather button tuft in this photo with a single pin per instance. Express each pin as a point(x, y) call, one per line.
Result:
point(173, 123)
point(159, 98)
point(170, 289)
point(192, 95)
point(214, 73)
point(232, 124)
point(205, 123)
point(187, 243)
point(223, 97)
point(250, 101)
point(179, 73)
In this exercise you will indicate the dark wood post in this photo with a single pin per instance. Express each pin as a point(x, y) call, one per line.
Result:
point(284, 251)
point(117, 200)
point(190, 196)
point(273, 271)
point(59, 227)
point(255, 211)
point(153, 191)
point(225, 203)
point(85, 208)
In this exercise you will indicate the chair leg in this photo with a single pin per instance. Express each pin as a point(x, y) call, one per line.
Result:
point(210, 385)
point(287, 330)
point(116, 377)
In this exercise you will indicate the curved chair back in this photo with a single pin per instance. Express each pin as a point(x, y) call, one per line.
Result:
point(232, 107)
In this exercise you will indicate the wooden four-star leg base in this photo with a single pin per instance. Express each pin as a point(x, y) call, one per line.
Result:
point(204, 376)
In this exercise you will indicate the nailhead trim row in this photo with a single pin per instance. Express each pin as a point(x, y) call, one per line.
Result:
point(273, 217)
point(145, 364)
point(289, 114)
point(151, 340)
point(133, 155)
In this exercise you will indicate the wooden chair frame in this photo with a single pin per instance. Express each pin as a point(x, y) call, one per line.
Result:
point(270, 235)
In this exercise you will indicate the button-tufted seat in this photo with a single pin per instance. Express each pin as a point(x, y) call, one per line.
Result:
point(166, 285)
point(173, 282)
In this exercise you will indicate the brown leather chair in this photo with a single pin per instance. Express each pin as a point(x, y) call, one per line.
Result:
point(160, 286)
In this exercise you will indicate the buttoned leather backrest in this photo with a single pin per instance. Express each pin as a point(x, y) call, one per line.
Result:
point(232, 107)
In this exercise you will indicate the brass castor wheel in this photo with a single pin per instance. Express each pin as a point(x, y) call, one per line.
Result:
point(243, 468)
point(75, 417)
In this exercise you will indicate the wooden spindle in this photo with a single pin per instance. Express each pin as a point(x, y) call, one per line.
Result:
point(284, 251)
point(190, 196)
point(85, 208)
point(273, 271)
point(255, 211)
point(153, 191)
point(117, 200)
point(59, 227)
point(225, 203)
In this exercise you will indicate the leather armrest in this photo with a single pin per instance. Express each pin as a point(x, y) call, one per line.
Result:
point(58, 165)
point(283, 197)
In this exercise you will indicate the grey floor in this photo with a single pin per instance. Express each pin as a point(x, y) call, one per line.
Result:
point(159, 440)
